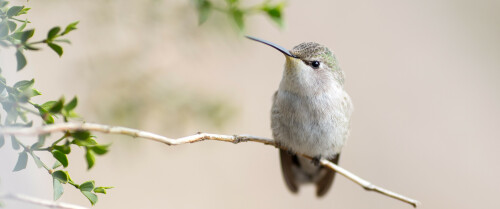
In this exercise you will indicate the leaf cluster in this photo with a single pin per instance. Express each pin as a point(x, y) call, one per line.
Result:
point(238, 14)
point(17, 36)
point(21, 111)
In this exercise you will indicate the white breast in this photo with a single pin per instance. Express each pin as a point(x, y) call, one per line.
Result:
point(315, 125)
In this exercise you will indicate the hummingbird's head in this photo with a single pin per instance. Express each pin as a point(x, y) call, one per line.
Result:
point(315, 55)
point(309, 67)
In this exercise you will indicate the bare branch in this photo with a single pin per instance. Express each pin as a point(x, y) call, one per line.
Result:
point(366, 184)
point(42, 202)
point(191, 139)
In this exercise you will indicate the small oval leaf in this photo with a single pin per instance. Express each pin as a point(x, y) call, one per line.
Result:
point(89, 156)
point(100, 149)
point(61, 157)
point(21, 60)
point(87, 186)
point(58, 188)
point(204, 9)
point(70, 27)
point(71, 105)
point(24, 84)
point(63, 148)
point(15, 144)
point(58, 49)
point(14, 11)
point(22, 161)
point(62, 176)
point(53, 33)
point(27, 34)
point(37, 160)
point(81, 135)
point(91, 196)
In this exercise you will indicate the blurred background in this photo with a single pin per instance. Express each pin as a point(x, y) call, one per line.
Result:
point(423, 77)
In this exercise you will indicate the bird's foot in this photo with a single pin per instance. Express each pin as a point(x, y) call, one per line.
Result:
point(315, 160)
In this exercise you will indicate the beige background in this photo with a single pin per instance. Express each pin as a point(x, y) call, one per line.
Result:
point(423, 76)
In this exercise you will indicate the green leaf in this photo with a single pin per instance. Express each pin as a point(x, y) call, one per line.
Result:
point(48, 118)
point(22, 26)
point(35, 92)
point(58, 49)
point(87, 186)
point(238, 18)
point(53, 33)
point(89, 156)
point(275, 13)
point(91, 196)
point(30, 47)
point(24, 84)
point(4, 29)
point(14, 11)
point(12, 116)
point(12, 25)
point(58, 188)
point(21, 60)
point(101, 189)
point(86, 142)
point(81, 135)
point(44, 113)
point(37, 160)
point(57, 107)
point(15, 144)
point(64, 149)
point(2, 140)
point(62, 176)
point(71, 105)
point(48, 105)
point(100, 149)
point(70, 27)
point(23, 11)
point(204, 9)
point(61, 157)
point(22, 161)
point(3, 3)
point(25, 35)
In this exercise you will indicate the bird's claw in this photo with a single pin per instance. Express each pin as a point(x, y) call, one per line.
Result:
point(315, 160)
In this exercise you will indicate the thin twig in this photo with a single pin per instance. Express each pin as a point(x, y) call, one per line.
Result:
point(42, 202)
point(191, 139)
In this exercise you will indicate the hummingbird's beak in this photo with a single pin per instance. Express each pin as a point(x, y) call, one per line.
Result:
point(278, 47)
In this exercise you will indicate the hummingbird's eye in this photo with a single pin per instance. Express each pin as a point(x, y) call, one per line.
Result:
point(315, 64)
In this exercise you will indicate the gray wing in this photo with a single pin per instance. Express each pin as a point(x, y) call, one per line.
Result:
point(324, 183)
point(287, 164)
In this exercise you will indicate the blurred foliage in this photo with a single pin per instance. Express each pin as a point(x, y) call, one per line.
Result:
point(237, 13)
point(159, 101)
point(17, 105)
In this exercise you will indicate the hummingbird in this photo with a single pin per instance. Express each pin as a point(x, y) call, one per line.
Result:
point(310, 115)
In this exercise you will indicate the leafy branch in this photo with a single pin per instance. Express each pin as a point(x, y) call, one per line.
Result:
point(18, 37)
point(64, 127)
point(237, 13)
point(16, 101)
